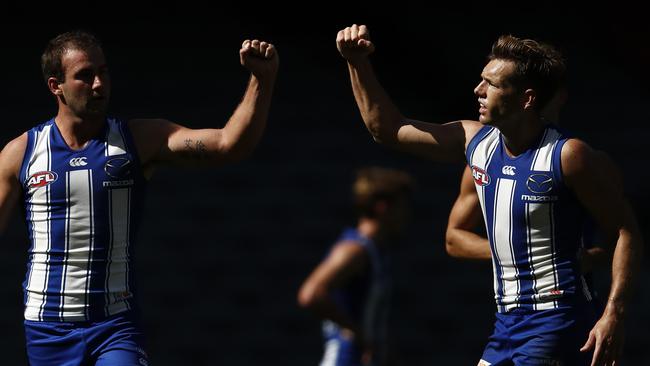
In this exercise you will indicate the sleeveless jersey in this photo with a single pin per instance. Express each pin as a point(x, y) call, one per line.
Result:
point(82, 209)
point(365, 300)
point(533, 221)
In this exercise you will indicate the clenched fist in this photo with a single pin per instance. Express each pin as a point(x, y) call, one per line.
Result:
point(354, 42)
point(260, 58)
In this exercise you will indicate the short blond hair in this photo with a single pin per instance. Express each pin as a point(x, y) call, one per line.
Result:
point(374, 184)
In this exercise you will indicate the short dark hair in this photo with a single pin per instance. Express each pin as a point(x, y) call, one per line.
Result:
point(374, 184)
point(539, 66)
point(51, 64)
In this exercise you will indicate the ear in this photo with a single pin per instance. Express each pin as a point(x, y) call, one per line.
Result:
point(530, 99)
point(54, 86)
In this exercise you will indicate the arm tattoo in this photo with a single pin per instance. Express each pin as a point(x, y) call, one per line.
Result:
point(195, 149)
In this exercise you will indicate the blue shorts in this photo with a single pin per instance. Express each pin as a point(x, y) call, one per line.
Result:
point(524, 337)
point(116, 340)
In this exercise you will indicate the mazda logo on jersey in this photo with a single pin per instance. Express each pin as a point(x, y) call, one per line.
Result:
point(41, 179)
point(539, 183)
point(481, 178)
point(118, 168)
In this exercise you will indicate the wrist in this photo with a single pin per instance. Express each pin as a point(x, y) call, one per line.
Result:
point(615, 306)
point(357, 60)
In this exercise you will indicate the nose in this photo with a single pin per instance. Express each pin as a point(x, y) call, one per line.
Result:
point(98, 83)
point(479, 90)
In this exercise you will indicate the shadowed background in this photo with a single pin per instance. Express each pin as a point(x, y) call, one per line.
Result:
point(222, 252)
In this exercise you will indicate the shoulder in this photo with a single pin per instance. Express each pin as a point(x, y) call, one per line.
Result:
point(348, 255)
point(578, 160)
point(471, 125)
point(471, 128)
point(348, 250)
point(150, 136)
point(576, 153)
point(12, 154)
point(16, 145)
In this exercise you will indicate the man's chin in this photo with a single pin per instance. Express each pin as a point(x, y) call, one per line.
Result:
point(486, 121)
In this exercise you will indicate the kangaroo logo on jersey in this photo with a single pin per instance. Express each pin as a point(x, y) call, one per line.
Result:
point(481, 178)
point(118, 168)
point(508, 170)
point(539, 183)
point(41, 179)
point(78, 161)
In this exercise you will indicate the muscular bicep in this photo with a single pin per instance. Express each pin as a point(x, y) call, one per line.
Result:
point(466, 211)
point(11, 158)
point(461, 239)
point(596, 184)
point(440, 142)
point(163, 142)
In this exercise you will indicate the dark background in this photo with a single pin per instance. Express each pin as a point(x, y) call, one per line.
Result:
point(222, 252)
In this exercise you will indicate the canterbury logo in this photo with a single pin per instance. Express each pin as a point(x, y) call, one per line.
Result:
point(508, 170)
point(78, 161)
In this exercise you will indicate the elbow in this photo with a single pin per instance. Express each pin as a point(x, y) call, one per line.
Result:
point(450, 248)
point(308, 297)
point(232, 152)
point(385, 134)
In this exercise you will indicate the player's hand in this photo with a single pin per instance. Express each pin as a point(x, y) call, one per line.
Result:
point(354, 43)
point(260, 58)
point(606, 340)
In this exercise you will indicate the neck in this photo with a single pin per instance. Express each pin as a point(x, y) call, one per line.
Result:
point(77, 131)
point(521, 136)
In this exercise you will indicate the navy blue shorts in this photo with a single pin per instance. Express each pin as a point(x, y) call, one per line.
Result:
point(116, 340)
point(552, 337)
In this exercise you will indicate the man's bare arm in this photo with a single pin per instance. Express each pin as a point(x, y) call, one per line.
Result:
point(464, 218)
point(11, 158)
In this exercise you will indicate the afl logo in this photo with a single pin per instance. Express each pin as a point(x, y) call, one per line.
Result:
point(41, 179)
point(539, 183)
point(118, 168)
point(481, 178)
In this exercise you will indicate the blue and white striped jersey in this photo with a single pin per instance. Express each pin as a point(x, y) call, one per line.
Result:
point(366, 300)
point(82, 209)
point(534, 222)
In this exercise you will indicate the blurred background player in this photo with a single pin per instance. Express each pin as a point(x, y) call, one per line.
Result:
point(350, 288)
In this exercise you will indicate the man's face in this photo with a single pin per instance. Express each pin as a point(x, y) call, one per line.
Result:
point(499, 100)
point(86, 88)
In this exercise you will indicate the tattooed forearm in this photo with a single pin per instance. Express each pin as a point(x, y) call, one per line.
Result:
point(195, 149)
